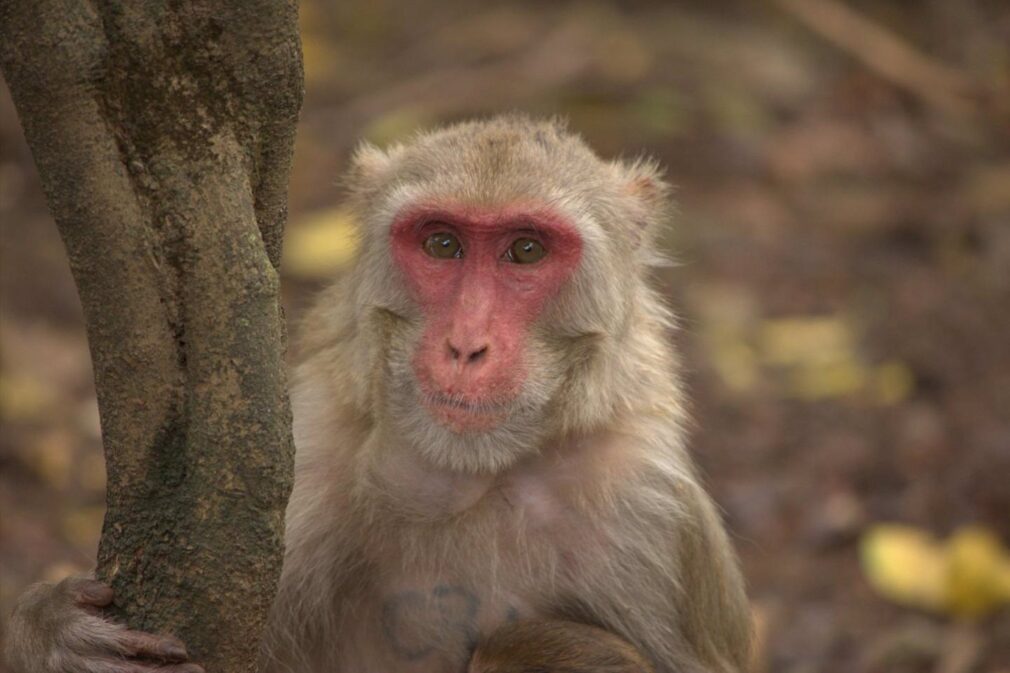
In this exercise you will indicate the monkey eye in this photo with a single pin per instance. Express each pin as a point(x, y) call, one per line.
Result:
point(525, 251)
point(443, 246)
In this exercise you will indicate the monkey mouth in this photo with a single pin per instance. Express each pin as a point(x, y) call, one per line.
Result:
point(463, 414)
point(477, 406)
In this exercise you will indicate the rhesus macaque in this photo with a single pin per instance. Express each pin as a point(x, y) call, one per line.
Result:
point(490, 435)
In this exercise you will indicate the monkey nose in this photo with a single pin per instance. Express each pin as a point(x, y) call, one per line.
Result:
point(464, 355)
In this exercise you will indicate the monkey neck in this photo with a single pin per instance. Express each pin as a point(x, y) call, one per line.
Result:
point(402, 474)
point(412, 484)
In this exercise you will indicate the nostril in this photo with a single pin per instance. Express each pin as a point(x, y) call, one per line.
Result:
point(465, 355)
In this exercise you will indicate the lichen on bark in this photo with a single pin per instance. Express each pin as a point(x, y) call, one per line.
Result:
point(162, 132)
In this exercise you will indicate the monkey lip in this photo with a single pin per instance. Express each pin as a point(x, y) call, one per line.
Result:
point(463, 415)
point(463, 404)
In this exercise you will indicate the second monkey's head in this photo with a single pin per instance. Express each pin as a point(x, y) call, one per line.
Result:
point(501, 295)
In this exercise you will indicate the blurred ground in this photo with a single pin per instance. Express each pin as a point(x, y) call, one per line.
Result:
point(843, 280)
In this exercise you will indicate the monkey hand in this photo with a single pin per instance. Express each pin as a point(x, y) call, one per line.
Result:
point(60, 629)
point(555, 646)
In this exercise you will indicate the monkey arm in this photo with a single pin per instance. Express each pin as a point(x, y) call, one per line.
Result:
point(671, 586)
point(714, 613)
point(555, 646)
point(711, 611)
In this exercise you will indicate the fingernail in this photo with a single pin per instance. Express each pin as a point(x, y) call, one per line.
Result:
point(173, 651)
point(97, 594)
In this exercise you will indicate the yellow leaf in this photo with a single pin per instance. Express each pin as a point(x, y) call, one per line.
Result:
point(819, 358)
point(978, 573)
point(966, 576)
point(905, 565)
point(734, 361)
point(321, 243)
point(827, 379)
point(806, 340)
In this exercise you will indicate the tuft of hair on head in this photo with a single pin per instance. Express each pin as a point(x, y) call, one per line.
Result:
point(369, 166)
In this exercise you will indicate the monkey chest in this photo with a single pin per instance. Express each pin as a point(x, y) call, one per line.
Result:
point(438, 589)
point(429, 626)
point(427, 616)
point(430, 621)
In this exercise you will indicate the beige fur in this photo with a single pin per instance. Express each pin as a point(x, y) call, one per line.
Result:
point(582, 506)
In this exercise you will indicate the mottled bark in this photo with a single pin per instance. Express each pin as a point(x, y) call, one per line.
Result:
point(162, 132)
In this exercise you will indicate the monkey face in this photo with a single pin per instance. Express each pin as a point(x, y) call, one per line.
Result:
point(504, 257)
point(481, 278)
point(472, 354)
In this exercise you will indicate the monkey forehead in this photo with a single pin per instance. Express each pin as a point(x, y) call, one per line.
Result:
point(503, 160)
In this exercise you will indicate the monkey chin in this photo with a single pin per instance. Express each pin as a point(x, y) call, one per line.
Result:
point(465, 434)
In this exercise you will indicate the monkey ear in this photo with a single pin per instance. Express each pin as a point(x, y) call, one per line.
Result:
point(368, 164)
point(643, 184)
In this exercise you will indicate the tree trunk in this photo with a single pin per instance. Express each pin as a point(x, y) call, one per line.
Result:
point(163, 132)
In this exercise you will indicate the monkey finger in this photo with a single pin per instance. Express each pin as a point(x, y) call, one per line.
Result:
point(161, 647)
point(91, 593)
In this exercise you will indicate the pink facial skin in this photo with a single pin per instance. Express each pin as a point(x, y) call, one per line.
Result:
point(478, 308)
